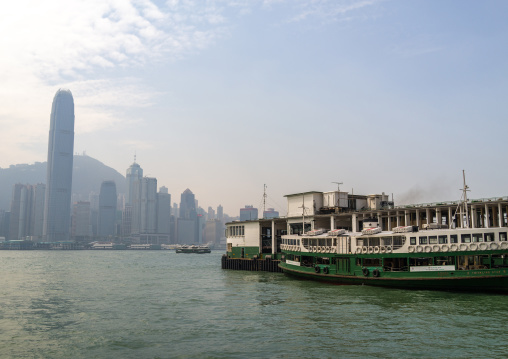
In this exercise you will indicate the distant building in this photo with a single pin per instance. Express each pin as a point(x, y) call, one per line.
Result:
point(211, 213)
point(134, 174)
point(213, 232)
point(187, 205)
point(39, 195)
point(4, 223)
point(93, 198)
point(249, 213)
point(59, 175)
point(270, 213)
point(220, 213)
point(163, 211)
point(148, 221)
point(27, 211)
point(187, 223)
point(133, 177)
point(107, 210)
point(127, 220)
point(81, 225)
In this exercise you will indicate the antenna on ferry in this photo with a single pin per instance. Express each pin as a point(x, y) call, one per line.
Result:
point(338, 185)
point(465, 190)
point(462, 205)
point(303, 213)
point(264, 200)
point(338, 190)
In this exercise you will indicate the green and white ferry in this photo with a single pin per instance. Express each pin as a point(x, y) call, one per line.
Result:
point(450, 259)
point(365, 239)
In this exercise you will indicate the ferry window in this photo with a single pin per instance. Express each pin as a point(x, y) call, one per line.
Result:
point(322, 260)
point(444, 261)
point(372, 262)
point(453, 238)
point(465, 238)
point(502, 236)
point(420, 262)
point(443, 240)
point(359, 262)
point(243, 231)
point(359, 242)
point(412, 241)
point(477, 237)
point(423, 240)
point(374, 242)
point(398, 241)
point(387, 241)
point(489, 237)
point(433, 240)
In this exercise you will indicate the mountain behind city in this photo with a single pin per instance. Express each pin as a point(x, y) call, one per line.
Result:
point(87, 175)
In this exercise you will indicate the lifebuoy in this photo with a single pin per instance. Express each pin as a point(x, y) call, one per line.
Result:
point(494, 246)
point(375, 272)
point(411, 249)
point(365, 271)
point(445, 248)
point(483, 246)
point(371, 250)
point(382, 249)
point(473, 246)
point(428, 249)
point(454, 247)
point(463, 247)
point(435, 248)
point(364, 250)
point(419, 249)
point(388, 249)
point(504, 245)
point(376, 249)
point(317, 269)
point(325, 270)
point(358, 250)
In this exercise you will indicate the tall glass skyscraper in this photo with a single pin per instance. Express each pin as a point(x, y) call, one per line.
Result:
point(107, 209)
point(57, 205)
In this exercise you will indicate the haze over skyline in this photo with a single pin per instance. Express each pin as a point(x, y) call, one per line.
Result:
point(223, 96)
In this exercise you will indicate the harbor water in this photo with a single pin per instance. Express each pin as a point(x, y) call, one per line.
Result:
point(159, 304)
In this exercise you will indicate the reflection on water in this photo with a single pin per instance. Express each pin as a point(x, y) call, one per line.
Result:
point(131, 304)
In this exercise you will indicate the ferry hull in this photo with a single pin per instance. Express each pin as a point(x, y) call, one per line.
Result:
point(465, 281)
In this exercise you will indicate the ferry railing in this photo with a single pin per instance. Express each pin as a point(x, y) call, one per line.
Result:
point(447, 203)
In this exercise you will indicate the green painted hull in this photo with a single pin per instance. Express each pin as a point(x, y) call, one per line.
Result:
point(481, 283)
point(193, 250)
point(485, 279)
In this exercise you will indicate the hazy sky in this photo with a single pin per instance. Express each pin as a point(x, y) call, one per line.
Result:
point(224, 96)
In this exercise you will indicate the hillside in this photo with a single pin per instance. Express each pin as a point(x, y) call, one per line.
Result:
point(87, 176)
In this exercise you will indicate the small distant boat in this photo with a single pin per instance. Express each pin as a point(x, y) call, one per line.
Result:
point(193, 249)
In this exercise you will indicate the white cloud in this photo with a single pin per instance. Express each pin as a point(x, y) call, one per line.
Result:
point(50, 44)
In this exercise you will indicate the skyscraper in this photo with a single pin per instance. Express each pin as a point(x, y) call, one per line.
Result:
point(132, 209)
point(81, 229)
point(107, 209)
point(148, 221)
point(134, 174)
point(187, 223)
point(57, 205)
point(249, 213)
point(163, 211)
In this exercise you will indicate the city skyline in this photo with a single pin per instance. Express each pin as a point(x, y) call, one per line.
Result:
point(219, 97)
